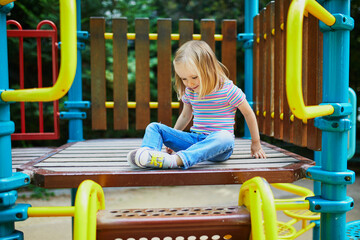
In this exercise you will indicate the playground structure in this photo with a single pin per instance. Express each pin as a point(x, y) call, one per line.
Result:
point(331, 200)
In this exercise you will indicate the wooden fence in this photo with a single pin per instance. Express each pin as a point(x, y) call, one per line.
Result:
point(270, 102)
point(142, 38)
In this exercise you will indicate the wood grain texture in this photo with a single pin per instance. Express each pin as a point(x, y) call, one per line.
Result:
point(98, 83)
point(104, 161)
point(120, 65)
point(228, 47)
point(207, 31)
point(164, 84)
point(142, 85)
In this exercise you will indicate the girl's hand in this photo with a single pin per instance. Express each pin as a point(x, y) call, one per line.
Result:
point(257, 151)
point(169, 150)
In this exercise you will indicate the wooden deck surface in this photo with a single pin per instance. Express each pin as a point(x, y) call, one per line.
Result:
point(104, 161)
point(22, 156)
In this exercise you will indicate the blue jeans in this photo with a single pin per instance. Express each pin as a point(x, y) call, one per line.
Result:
point(191, 147)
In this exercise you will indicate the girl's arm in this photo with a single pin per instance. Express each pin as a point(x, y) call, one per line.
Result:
point(182, 121)
point(184, 118)
point(246, 110)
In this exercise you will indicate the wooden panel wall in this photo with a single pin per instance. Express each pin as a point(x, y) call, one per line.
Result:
point(274, 115)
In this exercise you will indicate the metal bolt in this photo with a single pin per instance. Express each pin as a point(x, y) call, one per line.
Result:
point(335, 125)
point(308, 174)
point(351, 204)
point(19, 215)
point(317, 207)
point(26, 180)
point(1, 200)
point(348, 178)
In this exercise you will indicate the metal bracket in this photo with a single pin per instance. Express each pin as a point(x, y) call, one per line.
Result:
point(6, 128)
point(18, 212)
point(247, 39)
point(8, 198)
point(76, 104)
point(341, 178)
point(333, 125)
point(6, 8)
point(342, 22)
point(18, 179)
point(82, 34)
point(72, 115)
point(317, 204)
point(16, 235)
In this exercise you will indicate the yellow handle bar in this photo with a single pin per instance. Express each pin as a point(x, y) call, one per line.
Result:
point(294, 57)
point(67, 62)
point(154, 36)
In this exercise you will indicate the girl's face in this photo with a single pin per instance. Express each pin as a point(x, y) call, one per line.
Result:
point(188, 76)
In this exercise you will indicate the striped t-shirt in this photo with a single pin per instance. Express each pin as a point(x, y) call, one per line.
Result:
point(215, 111)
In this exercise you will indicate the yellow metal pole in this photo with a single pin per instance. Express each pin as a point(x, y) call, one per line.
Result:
point(67, 67)
point(154, 36)
point(51, 211)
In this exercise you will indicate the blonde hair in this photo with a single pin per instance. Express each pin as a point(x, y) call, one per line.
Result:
point(199, 56)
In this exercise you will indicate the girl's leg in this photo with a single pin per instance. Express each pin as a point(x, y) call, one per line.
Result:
point(157, 134)
point(217, 146)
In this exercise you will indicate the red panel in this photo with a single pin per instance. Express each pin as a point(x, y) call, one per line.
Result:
point(39, 34)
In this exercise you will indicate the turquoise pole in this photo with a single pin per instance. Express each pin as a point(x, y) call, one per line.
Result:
point(334, 144)
point(75, 92)
point(7, 228)
point(251, 10)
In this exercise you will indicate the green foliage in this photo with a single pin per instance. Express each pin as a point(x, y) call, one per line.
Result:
point(36, 192)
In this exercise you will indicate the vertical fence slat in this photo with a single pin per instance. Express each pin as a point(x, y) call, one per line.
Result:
point(262, 72)
point(120, 55)
point(186, 30)
point(98, 84)
point(142, 85)
point(269, 101)
point(207, 31)
point(288, 126)
point(279, 69)
point(228, 47)
point(164, 71)
point(314, 83)
point(256, 67)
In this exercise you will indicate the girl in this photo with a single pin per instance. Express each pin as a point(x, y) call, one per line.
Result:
point(212, 99)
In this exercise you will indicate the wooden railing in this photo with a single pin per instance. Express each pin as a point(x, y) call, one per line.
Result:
point(120, 38)
point(270, 102)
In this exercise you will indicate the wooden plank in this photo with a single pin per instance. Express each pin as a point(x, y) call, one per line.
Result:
point(279, 68)
point(164, 72)
point(207, 31)
point(262, 72)
point(228, 47)
point(270, 54)
point(186, 31)
point(120, 56)
point(256, 68)
point(98, 82)
point(142, 56)
point(314, 80)
point(288, 126)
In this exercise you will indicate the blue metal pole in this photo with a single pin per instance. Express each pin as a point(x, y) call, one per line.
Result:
point(6, 228)
point(251, 10)
point(334, 143)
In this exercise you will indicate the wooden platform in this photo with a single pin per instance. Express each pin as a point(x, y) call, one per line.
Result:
point(21, 156)
point(104, 161)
